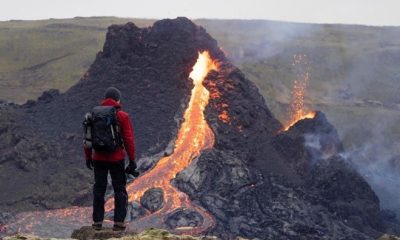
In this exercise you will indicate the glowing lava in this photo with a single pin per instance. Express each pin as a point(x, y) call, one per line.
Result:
point(194, 136)
point(297, 107)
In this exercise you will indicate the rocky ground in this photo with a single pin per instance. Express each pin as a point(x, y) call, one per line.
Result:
point(86, 233)
point(257, 181)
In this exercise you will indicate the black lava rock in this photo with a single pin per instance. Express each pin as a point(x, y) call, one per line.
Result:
point(135, 211)
point(152, 199)
point(184, 218)
point(256, 181)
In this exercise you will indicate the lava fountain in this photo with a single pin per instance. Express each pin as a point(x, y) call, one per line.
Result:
point(193, 137)
point(297, 110)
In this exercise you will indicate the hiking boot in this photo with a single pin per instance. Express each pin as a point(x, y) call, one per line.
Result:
point(119, 226)
point(97, 226)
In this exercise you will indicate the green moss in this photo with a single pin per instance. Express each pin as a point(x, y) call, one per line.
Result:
point(161, 234)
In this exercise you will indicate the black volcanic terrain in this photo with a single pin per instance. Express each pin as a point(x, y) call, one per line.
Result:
point(256, 181)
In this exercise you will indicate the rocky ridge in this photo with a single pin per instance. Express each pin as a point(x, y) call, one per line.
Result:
point(257, 181)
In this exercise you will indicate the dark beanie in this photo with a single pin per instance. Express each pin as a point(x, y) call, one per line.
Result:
point(113, 93)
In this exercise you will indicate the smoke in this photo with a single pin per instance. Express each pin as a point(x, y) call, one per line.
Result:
point(362, 105)
point(320, 146)
point(264, 51)
point(378, 161)
point(368, 121)
point(354, 80)
point(312, 143)
point(375, 159)
point(255, 40)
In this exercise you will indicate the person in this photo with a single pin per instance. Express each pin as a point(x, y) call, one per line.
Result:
point(105, 162)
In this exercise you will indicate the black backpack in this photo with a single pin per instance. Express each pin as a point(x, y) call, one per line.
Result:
point(101, 129)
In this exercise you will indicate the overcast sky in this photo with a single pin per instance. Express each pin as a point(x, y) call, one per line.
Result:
point(366, 12)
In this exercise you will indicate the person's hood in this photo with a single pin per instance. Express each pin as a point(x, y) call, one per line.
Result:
point(110, 102)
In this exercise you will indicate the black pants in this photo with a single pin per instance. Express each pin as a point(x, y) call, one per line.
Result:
point(118, 177)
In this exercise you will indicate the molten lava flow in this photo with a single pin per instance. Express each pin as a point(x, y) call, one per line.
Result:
point(55, 223)
point(194, 136)
point(297, 108)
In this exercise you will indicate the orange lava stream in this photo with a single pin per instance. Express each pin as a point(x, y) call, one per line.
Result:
point(194, 136)
point(297, 107)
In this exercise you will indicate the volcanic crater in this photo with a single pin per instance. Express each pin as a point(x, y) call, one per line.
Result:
point(236, 173)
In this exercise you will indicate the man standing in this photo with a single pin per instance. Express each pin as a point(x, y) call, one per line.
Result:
point(108, 155)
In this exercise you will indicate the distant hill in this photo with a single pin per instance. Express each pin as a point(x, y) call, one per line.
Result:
point(38, 55)
point(355, 73)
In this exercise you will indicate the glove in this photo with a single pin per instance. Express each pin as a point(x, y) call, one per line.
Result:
point(89, 164)
point(131, 169)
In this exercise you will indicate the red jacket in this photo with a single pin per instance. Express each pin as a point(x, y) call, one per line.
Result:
point(126, 134)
